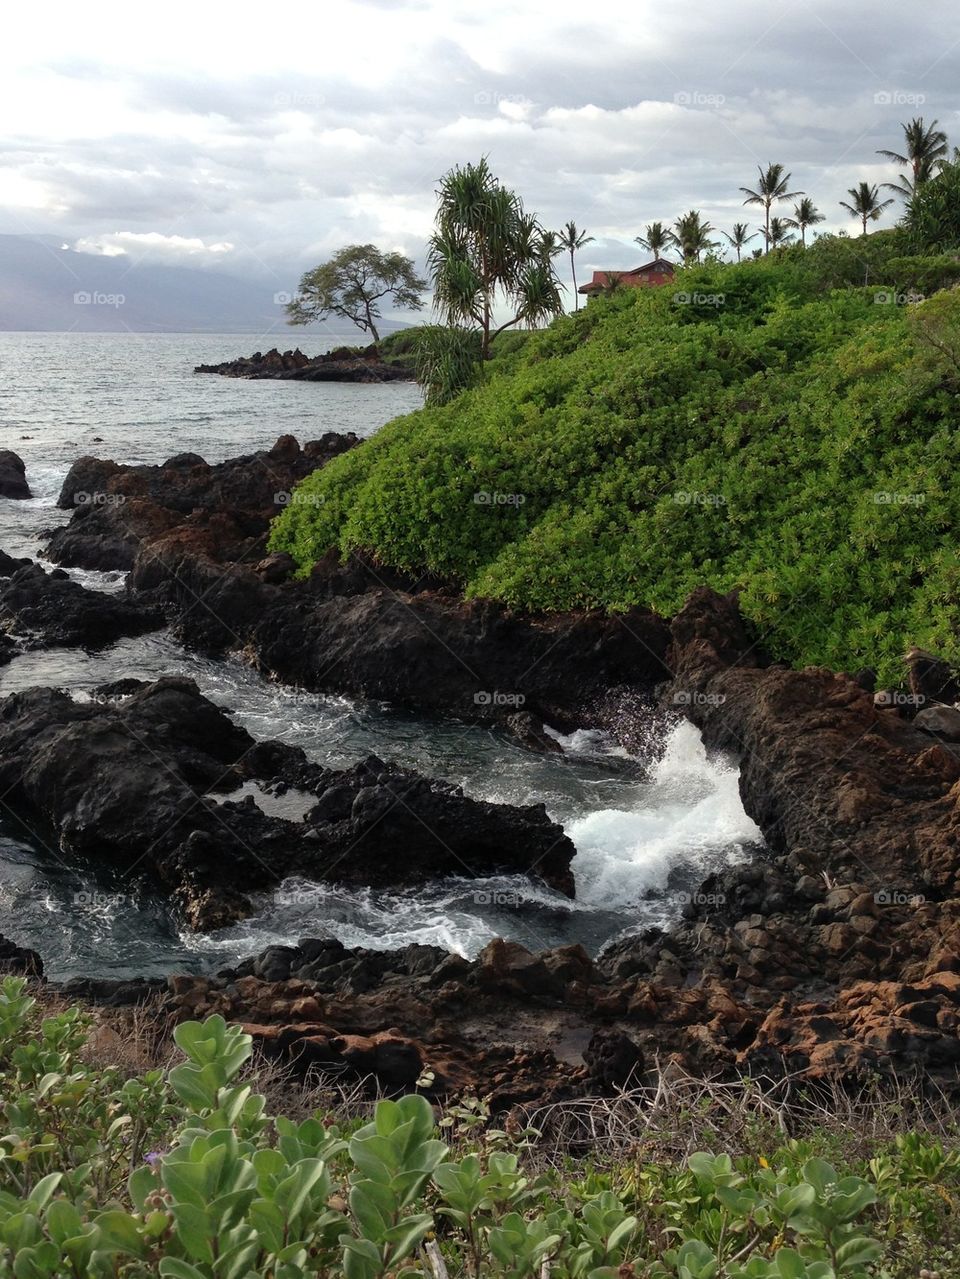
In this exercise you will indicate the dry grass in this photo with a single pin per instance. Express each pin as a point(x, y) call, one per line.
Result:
point(682, 1113)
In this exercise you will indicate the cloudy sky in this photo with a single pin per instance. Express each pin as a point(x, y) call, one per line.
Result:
point(255, 140)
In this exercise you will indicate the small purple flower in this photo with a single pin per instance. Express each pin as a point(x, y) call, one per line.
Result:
point(153, 1157)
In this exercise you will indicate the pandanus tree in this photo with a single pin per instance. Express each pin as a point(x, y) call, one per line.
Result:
point(926, 150)
point(485, 250)
point(573, 239)
point(739, 237)
point(805, 213)
point(691, 235)
point(771, 189)
point(656, 239)
point(865, 203)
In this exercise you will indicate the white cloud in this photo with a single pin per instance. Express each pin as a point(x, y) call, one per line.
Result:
point(151, 244)
point(265, 144)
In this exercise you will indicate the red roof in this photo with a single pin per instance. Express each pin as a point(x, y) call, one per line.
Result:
point(659, 271)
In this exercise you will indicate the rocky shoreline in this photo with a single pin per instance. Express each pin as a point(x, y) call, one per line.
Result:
point(837, 952)
point(345, 364)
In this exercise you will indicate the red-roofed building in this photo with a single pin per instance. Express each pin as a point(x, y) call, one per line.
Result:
point(659, 271)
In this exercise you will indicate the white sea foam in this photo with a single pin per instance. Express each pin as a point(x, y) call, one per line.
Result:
point(691, 816)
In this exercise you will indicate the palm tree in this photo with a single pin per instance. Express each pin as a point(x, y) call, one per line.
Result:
point(571, 239)
point(548, 245)
point(739, 239)
point(779, 232)
point(805, 213)
point(926, 150)
point(771, 187)
point(691, 235)
point(866, 203)
point(656, 240)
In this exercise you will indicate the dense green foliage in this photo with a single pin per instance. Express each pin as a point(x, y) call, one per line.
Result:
point(748, 427)
point(229, 1192)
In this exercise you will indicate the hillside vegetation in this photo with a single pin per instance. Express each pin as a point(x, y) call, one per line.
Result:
point(771, 426)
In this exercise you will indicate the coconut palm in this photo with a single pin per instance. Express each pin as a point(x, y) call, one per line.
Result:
point(548, 245)
point(656, 239)
point(925, 151)
point(866, 203)
point(739, 239)
point(805, 213)
point(573, 239)
point(771, 188)
point(691, 235)
point(779, 232)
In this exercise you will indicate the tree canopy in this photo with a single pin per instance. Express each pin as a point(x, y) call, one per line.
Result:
point(353, 284)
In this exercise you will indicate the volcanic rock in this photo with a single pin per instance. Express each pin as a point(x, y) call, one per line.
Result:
point(13, 476)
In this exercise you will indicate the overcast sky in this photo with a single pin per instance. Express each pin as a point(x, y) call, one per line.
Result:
point(258, 138)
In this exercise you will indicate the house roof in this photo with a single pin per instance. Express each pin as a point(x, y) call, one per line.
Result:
point(602, 278)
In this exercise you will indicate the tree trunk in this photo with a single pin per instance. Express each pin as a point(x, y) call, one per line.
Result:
point(573, 272)
point(370, 324)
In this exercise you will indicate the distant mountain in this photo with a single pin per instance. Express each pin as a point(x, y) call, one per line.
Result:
point(47, 288)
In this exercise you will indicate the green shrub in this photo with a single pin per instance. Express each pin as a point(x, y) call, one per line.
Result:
point(737, 429)
point(231, 1193)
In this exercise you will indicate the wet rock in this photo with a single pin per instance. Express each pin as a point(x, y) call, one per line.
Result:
point(19, 961)
point(128, 783)
point(530, 731)
point(13, 476)
point(52, 610)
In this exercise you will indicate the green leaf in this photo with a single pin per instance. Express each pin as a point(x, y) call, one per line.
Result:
point(45, 1189)
point(790, 1265)
point(858, 1251)
point(174, 1268)
point(119, 1232)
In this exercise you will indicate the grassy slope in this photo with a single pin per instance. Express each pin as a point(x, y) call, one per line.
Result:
point(646, 446)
